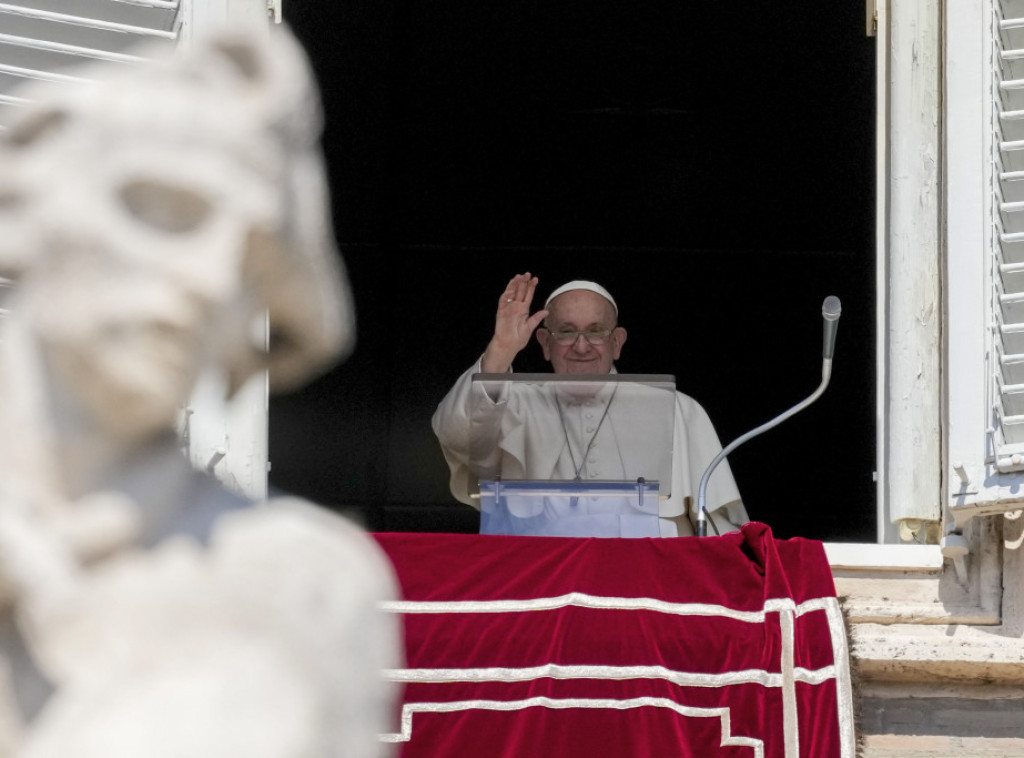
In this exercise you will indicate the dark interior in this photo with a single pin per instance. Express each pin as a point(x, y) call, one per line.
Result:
point(712, 164)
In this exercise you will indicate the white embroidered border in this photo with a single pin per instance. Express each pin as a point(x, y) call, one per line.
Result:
point(786, 607)
point(515, 705)
point(844, 684)
point(557, 671)
point(790, 719)
point(582, 600)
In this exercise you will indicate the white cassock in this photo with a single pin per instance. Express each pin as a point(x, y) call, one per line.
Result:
point(546, 435)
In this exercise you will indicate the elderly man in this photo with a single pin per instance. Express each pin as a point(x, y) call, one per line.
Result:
point(580, 335)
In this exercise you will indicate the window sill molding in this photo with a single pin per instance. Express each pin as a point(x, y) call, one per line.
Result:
point(894, 558)
point(914, 585)
point(914, 620)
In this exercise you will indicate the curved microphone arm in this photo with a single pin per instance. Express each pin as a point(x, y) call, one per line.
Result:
point(830, 311)
point(702, 515)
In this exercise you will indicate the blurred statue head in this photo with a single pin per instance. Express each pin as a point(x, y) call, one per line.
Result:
point(150, 220)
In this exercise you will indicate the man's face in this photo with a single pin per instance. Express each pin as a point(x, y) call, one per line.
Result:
point(581, 311)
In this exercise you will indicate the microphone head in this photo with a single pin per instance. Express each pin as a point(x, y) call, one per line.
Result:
point(831, 308)
point(830, 311)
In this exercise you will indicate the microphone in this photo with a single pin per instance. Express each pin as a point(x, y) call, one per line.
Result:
point(830, 311)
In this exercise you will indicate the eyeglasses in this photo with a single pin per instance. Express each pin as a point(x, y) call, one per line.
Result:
point(592, 336)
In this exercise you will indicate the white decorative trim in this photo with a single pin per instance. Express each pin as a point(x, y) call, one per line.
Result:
point(544, 702)
point(790, 719)
point(557, 671)
point(844, 683)
point(787, 609)
point(583, 600)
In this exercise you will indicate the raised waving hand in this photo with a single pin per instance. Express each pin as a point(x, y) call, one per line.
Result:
point(513, 324)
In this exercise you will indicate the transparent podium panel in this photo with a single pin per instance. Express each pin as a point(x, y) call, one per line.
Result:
point(550, 452)
point(570, 509)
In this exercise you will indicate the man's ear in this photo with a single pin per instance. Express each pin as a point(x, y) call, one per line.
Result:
point(544, 337)
point(618, 340)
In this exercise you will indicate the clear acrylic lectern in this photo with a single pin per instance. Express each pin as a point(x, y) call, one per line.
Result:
point(571, 455)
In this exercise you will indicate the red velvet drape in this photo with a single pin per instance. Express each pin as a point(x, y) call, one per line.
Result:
point(584, 648)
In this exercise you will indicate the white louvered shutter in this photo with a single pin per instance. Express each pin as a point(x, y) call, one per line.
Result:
point(46, 39)
point(1008, 273)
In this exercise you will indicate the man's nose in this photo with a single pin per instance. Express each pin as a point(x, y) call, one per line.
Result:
point(580, 344)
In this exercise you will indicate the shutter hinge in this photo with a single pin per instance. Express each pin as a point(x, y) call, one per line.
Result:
point(871, 17)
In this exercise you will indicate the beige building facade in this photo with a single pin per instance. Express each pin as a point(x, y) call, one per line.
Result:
point(936, 609)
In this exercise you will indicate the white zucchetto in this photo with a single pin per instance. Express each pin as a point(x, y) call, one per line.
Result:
point(581, 284)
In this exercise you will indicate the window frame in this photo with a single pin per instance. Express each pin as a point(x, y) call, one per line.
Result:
point(908, 250)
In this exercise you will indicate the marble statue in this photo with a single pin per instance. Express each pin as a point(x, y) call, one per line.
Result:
point(147, 222)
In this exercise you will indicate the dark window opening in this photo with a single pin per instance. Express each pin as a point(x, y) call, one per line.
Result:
point(711, 164)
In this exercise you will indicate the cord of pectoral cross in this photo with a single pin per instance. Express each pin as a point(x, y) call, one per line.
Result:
point(578, 469)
